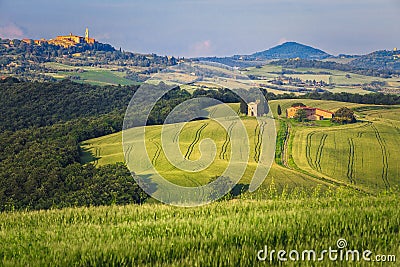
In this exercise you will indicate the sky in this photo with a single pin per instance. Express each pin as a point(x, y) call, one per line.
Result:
point(192, 28)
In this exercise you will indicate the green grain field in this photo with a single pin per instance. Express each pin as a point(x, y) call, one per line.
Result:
point(91, 75)
point(108, 149)
point(363, 156)
point(227, 233)
point(308, 203)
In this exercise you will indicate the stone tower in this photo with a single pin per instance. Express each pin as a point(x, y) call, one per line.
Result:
point(87, 35)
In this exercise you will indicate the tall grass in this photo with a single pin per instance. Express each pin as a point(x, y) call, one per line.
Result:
point(227, 233)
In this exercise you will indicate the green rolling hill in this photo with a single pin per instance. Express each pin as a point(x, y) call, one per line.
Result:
point(362, 155)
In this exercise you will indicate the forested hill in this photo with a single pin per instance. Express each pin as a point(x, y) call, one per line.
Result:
point(27, 104)
point(380, 60)
point(290, 50)
point(40, 130)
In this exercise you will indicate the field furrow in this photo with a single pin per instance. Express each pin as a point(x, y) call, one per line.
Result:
point(308, 150)
point(259, 131)
point(285, 150)
point(222, 154)
point(156, 154)
point(350, 166)
point(384, 156)
point(127, 153)
point(319, 152)
point(195, 141)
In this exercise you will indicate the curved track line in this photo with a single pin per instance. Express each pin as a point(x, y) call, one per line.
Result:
point(156, 154)
point(195, 141)
point(319, 152)
point(350, 165)
point(384, 156)
point(258, 137)
point(222, 155)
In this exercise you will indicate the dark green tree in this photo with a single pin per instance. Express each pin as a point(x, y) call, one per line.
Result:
point(279, 110)
point(243, 107)
point(298, 104)
point(344, 115)
point(301, 115)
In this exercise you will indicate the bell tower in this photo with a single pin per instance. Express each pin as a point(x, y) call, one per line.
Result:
point(87, 35)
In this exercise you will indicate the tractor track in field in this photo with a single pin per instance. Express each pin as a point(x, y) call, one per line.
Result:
point(127, 153)
point(350, 165)
point(319, 152)
point(308, 150)
point(195, 141)
point(384, 156)
point(258, 140)
point(156, 154)
point(222, 155)
point(323, 178)
point(176, 137)
point(285, 150)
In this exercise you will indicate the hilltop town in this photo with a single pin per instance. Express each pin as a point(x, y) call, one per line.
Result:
point(75, 57)
point(64, 40)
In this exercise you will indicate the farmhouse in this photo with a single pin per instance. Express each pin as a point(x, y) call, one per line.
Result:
point(313, 114)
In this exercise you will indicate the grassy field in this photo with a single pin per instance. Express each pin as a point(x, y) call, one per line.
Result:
point(298, 207)
point(91, 75)
point(364, 154)
point(227, 233)
point(108, 149)
point(320, 153)
point(99, 77)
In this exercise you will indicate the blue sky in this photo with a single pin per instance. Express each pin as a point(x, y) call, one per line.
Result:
point(210, 27)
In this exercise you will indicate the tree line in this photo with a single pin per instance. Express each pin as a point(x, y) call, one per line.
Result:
point(330, 65)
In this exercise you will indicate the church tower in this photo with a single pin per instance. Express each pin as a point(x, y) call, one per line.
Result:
point(87, 35)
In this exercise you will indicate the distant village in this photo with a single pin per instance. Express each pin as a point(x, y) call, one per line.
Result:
point(65, 41)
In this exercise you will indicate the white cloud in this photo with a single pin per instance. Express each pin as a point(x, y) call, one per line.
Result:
point(11, 31)
point(199, 49)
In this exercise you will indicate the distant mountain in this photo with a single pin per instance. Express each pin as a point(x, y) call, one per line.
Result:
point(380, 60)
point(286, 50)
point(290, 50)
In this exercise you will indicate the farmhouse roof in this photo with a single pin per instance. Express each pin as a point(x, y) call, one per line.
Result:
point(311, 108)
